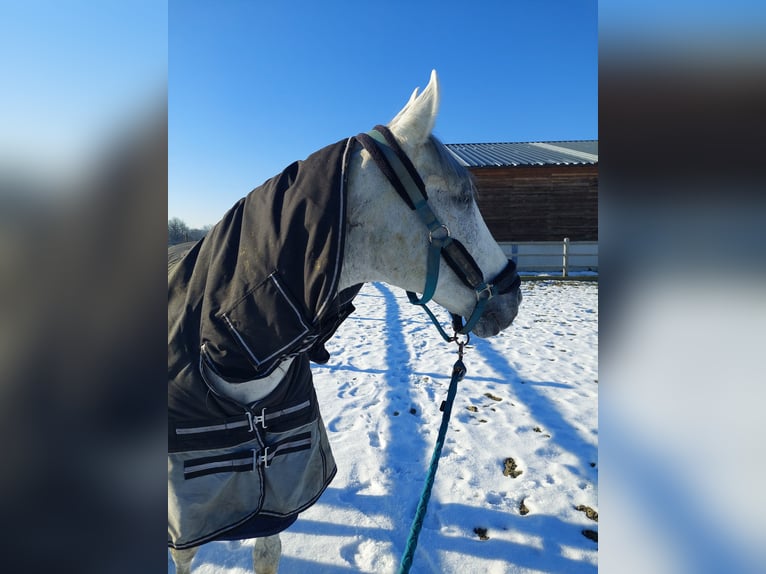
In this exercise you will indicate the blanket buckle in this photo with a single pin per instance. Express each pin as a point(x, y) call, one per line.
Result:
point(255, 419)
point(262, 458)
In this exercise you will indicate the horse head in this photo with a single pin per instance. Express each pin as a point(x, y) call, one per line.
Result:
point(387, 241)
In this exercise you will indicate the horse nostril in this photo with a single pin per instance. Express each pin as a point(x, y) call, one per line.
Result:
point(487, 327)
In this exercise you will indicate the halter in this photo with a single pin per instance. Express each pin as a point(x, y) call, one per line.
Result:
point(401, 173)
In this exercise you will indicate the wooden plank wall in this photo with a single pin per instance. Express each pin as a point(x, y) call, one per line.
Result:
point(539, 203)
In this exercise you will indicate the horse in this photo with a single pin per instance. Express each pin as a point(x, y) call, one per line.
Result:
point(253, 302)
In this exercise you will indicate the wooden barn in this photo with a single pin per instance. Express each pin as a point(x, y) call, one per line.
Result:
point(541, 191)
point(535, 195)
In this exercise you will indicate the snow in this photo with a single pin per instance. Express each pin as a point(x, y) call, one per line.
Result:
point(533, 394)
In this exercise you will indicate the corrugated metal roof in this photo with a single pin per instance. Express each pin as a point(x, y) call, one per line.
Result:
point(581, 152)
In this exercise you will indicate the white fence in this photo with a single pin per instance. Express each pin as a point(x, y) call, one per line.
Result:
point(563, 258)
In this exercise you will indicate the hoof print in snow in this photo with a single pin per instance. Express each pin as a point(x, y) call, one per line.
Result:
point(590, 535)
point(589, 512)
point(493, 397)
point(473, 409)
point(523, 510)
point(482, 420)
point(510, 468)
point(481, 533)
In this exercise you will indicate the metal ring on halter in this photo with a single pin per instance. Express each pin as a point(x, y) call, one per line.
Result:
point(465, 342)
point(431, 233)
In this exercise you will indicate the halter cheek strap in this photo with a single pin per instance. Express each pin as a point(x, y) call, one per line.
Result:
point(381, 144)
point(405, 179)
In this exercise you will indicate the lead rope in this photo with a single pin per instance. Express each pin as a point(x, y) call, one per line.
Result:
point(458, 372)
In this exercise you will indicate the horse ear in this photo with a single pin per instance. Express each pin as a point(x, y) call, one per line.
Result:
point(413, 97)
point(398, 116)
point(415, 122)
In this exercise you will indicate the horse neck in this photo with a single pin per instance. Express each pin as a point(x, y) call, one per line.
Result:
point(384, 239)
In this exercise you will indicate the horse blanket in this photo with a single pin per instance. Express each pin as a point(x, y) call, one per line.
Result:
point(261, 287)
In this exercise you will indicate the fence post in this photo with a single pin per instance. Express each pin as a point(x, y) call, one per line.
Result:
point(565, 270)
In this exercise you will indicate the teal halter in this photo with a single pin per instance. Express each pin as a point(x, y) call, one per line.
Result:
point(401, 173)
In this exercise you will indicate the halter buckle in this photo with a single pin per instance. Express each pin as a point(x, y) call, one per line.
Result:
point(488, 289)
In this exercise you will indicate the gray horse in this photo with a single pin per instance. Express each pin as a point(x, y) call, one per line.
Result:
point(254, 301)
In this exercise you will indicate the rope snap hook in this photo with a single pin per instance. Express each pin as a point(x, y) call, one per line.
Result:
point(461, 343)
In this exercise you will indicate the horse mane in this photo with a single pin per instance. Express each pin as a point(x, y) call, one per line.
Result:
point(453, 169)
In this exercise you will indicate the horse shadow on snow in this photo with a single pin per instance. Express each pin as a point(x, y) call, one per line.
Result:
point(405, 482)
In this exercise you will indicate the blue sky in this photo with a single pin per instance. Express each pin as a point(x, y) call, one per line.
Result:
point(75, 73)
point(254, 86)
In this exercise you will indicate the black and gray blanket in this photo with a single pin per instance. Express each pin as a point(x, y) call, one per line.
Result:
point(261, 287)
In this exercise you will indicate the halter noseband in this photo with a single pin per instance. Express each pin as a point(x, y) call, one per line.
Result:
point(401, 173)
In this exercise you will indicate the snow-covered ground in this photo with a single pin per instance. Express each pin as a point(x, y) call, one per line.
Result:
point(530, 394)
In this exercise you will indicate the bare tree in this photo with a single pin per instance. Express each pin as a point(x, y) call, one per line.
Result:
point(178, 231)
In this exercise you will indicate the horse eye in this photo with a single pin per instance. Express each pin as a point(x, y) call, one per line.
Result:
point(459, 198)
point(465, 197)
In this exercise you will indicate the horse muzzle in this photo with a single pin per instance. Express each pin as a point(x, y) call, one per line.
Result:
point(497, 302)
point(498, 314)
